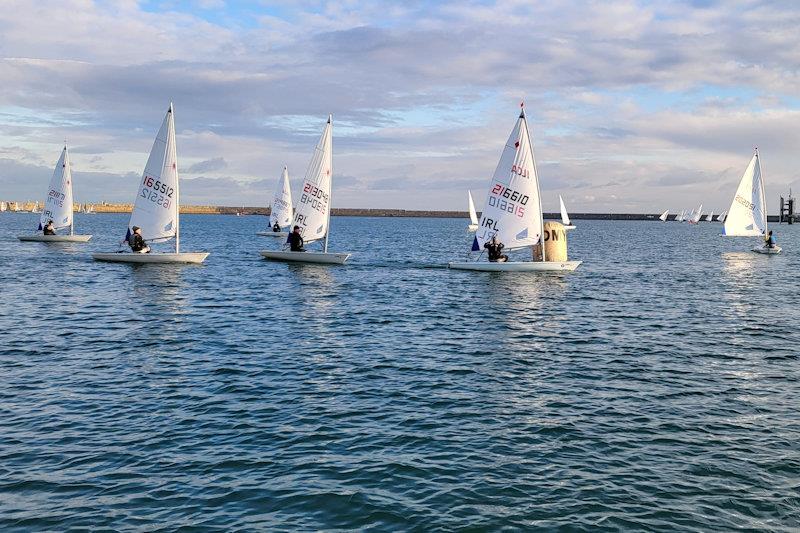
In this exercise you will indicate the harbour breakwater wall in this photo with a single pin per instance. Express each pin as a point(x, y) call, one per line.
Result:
point(105, 207)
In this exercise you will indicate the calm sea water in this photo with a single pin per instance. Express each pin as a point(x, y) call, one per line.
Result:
point(655, 388)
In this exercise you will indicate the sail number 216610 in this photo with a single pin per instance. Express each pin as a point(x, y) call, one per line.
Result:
point(508, 200)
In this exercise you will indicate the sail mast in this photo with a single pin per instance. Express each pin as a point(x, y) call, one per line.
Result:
point(71, 214)
point(763, 194)
point(536, 174)
point(330, 193)
point(171, 138)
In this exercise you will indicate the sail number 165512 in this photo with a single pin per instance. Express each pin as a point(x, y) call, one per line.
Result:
point(156, 191)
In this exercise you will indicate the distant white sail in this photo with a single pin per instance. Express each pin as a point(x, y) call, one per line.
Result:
point(512, 210)
point(664, 215)
point(564, 214)
point(281, 210)
point(58, 205)
point(3, 206)
point(710, 216)
point(696, 215)
point(473, 215)
point(747, 215)
point(721, 217)
point(311, 212)
point(156, 207)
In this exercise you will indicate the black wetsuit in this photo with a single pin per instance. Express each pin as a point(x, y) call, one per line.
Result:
point(276, 228)
point(296, 242)
point(495, 251)
point(137, 243)
point(48, 230)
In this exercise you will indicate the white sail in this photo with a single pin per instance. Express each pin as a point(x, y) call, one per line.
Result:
point(312, 210)
point(58, 205)
point(473, 215)
point(710, 216)
point(3, 206)
point(696, 215)
point(564, 214)
point(156, 207)
point(664, 215)
point(747, 215)
point(281, 209)
point(721, 217)
point(512, 210)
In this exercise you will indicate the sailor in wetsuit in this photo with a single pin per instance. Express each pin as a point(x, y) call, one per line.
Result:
point(49, 229)
point(495, 248)
point(136, 241)
point(769, 240)
point(276, 228)
point(296, 240)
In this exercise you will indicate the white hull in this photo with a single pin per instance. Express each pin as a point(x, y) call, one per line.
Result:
point(306, 257)
point(571, 226)
point(283, 234)
point(766, 250)
point(133, 257)
point(472, 228)
point(526, 266)
point(55, 238)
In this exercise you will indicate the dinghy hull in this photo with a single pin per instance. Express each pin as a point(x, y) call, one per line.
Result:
point(131, 257)
point(54, 238)
point(530, 266)
point(767, 250)
point(306, 257)
point(282, 234)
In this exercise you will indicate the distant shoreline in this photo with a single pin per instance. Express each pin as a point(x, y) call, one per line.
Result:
point(350, 212)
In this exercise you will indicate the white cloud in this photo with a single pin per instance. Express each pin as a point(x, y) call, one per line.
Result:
point(654, 104)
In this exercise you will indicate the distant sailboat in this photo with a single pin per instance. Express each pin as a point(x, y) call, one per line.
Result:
point(747, 215)
point(88, 209)
point(695, 218)
point(313, 210)
point(513, 209)
point(157, 207)
point(281, 208)
point(36, 207)
point(473, 215)
point(564, 215)
point(3, 206)
point(710, 217)
point(721, 217)
point(664, 216)
point(58, 206)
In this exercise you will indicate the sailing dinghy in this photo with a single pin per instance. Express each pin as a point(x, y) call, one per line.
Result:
point(473, 215)
point(564, 215)
point(58, 205)
point(281, 210)
point(664, 215)
point(747, 215)
point(313, 210)
point(157, 207)
point(513, 209)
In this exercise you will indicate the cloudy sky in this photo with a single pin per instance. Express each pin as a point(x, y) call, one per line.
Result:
point(634, 106)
